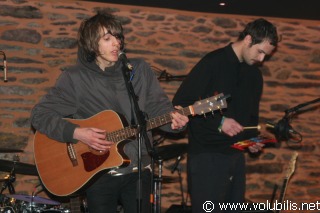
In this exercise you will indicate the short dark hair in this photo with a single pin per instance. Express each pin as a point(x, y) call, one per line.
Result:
point(260, 30)
point(89, 33)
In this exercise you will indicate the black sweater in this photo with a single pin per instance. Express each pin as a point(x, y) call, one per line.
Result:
point(221, 72)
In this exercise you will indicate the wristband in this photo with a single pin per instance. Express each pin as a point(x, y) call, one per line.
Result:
point(221, 123)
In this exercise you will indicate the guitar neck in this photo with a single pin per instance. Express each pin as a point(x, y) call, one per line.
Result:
point(166, 118)
point(158, 121)
point(290, 171)
point(283, 189)
point(199, 107)
point(283, 192)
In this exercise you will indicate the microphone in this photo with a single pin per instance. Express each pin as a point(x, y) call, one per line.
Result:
point(282, 129)
point(175, 166)
point(4, 66)
point(122, 57)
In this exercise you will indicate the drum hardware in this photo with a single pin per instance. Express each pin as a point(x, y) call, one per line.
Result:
point(7, 209)
point(7, 182)
point(16, 203)
point(14, 167)
point(164, 153)
point(177, 167)
point(171, 151)
point(34, 199)
point(168, 179)
point(18, 167)
point(61, 210)
point(6, 150)
point(32, 204)
point(157, 186)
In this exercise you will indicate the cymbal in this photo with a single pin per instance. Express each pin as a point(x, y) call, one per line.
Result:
point(6, 150)
point(168, 179)
point(20, 168)
point(33, 199)
point(171, 151)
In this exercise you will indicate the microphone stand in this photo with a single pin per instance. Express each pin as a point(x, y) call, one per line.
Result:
point(164, 76)
point(178, 168)
point(141, 125)
point(289, 114)
point(296, 108)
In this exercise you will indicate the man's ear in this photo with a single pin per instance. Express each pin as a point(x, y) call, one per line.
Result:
point(248, 40)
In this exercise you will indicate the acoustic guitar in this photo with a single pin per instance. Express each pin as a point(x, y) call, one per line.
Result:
point(65, 168)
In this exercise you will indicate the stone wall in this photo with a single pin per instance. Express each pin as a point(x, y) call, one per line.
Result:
point(39, 39)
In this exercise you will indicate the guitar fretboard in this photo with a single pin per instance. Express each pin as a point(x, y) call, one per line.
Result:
point(199, 107)
point(128, 132)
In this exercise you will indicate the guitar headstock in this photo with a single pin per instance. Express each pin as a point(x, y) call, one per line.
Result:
point(292, 164)
point(211, 104)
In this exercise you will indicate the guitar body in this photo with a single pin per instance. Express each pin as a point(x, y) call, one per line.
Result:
point(59, 175)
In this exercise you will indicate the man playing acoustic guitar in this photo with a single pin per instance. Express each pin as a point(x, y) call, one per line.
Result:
point(91, 92)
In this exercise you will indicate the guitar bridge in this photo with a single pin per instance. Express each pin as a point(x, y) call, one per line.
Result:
point(72, 154)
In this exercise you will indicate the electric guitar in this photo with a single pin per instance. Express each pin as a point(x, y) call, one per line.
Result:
point(290, 171)
point(65, 168)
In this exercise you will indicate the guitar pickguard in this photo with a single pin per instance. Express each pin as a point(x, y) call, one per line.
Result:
point(92, 161)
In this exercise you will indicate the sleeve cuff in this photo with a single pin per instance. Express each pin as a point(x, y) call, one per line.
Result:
point(68, 133)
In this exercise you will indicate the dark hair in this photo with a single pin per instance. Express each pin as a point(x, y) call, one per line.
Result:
point(260, 30)
point(89, 33)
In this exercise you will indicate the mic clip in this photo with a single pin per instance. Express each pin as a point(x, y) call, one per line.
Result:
point(176, 165)
point(122, 57)
point(283, 131)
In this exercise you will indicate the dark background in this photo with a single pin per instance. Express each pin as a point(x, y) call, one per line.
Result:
point(297, 9)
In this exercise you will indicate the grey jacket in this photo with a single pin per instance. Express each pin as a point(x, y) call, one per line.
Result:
point(84, 90)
